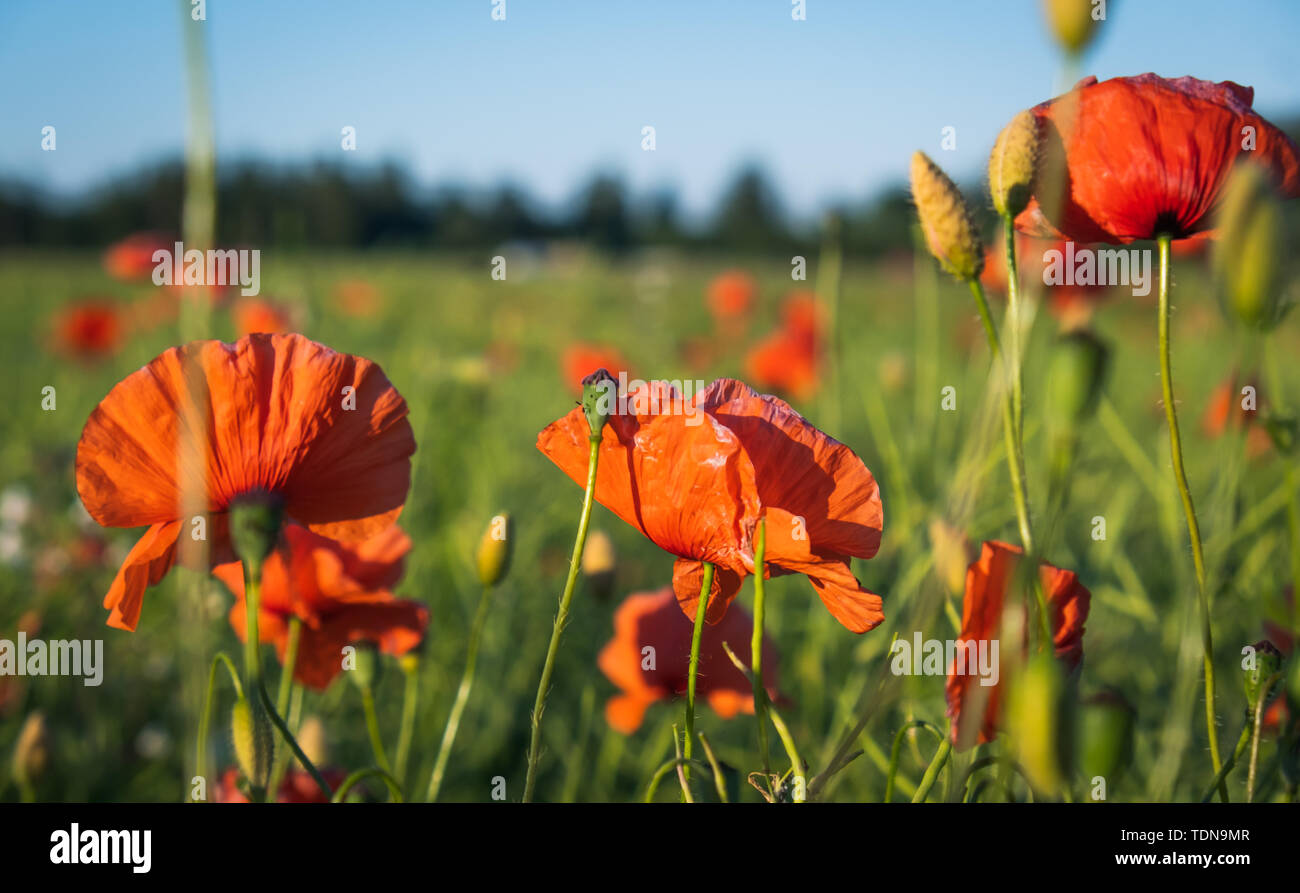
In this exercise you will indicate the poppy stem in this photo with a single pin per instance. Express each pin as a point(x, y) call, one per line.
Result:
point(205, 716)
point(406, 731)
point(706, 589)
point(462, 696)
point(932, 771)
point(756, 646)
point(1015, 453)
point(566, 598)
point(361, 775)
point(372, 728)
point(896, 751)
point(282, 696)
point(253, 670)
point(1013, 331)
point(1193, 528)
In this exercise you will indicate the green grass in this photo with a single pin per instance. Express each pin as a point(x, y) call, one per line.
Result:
point(476, 426)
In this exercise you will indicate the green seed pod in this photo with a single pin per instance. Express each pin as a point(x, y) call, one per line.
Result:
point(1105, 745)
point(1012, 164)
point(494, 550)
point(250, 728)
point(946, 220)
point(1260, 672)
point(1072, 22)
point(1040, 719)
point(599, 395)
point(255, 521)
point(1075, 376)
point(1248, 254)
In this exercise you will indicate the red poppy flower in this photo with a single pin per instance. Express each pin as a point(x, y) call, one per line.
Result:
point(731, 295)
point(788, 360)
point(653, 620)
point(1146, 155)
point(695, 476)
point(297, 787)
point(325, 432)
point(580, 360)
point(973, 707)
point(340, 593)
point(132, 258)
point(89, 330)
point(257, 315)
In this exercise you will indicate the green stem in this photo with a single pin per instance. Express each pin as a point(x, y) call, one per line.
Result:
point(658, 777)
point(462, 695)
point(718, 784)
point(205, 715)
point(1242, 741)
point(372, 727)
point(410, 705)
point(1193, 528)
point(756, 646)
point(1293, 528)
point(932, 771)
point(1013, 328)
point(706, 589)
point(566, 598)
point(282, 696)
point(361, 775)
point(896, 751)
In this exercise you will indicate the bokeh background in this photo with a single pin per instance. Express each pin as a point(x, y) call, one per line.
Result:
point(523, 139)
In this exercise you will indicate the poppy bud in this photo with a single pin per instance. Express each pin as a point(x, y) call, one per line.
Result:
point(1074, 379)
point(946, 220)
point(599, 390)
point(598, 563)
point(1293, 689)
point(311, 738)
point(367, 666)
point(1071, 22)
point(1283, 430)
point(494, 550)
point(410, 661)
point(32, 752)
point(1260, 672)
point(952, 555)
point(1040, 718)
point(255, 521)
point(1105, 744)
point(1012, 164)
point(250, 728)
point(1247, 258)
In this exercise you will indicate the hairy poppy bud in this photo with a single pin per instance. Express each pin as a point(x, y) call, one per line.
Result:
point(1072, 21)
point(1105, 745)
point(494, 550)
point(598, 563)
point(1074, 379)
point(952, 555)
point(367, 665)
point(1040, 718)
point(599, 391)
point(1260, 672)
point(255, 521)
point(250, 728)
point(32, 752)
point(1248, 256)
point(1012, 164)
point(311, 738)
point(946, 220)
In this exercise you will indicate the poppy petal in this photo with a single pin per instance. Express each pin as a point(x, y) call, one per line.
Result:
point(145, 565)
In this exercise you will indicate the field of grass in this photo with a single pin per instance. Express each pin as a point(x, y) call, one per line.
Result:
point(477, 361)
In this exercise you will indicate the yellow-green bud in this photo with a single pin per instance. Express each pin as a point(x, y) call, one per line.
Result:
point(1013, 163)
point(250, 728)
point(1105, 744)
point(366, 667)
point(1248, 254)
point(494, 550)
point(598, 561)
point(1040, 719)
point(311, 738)
point(946, 220)
point(1261, 671)
point(32, 751)
point(952, 554)
point(1073, 21)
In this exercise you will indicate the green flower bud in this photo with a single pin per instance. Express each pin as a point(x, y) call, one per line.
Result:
point(1040, 719)
point(250, 728)
point(599, 395)
point(494, 550)
point(1261, 672)
point(1105, 743)
point(1248, 254)
point(368, 667)
point(1283, 430)
point(255, 522)
point(1075, 375)
point(946, 220)
point(1012, 164)
point(1072, 22)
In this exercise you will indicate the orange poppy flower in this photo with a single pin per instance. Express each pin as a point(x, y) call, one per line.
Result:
point(788, 360)
point(257, 315)
point(580, 360)
point(1146, 155)
point(340, 593)
point(973, 707)
point(731, 295)
point(653, 620)
point(89, 330)
point(1224, 410)
point(356, 297)
point(132, 258)
point(695, 477)
point(278, 420)
point(297, 787)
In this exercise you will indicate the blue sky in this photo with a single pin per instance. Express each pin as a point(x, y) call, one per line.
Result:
point(832, 107)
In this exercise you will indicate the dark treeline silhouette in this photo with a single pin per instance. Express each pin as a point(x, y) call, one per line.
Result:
point(323, 205)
